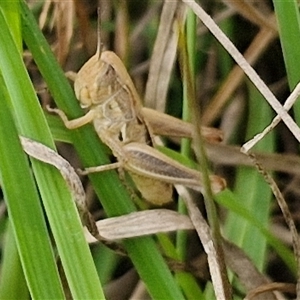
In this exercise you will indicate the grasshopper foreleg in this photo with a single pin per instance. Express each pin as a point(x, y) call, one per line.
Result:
point(76, 123)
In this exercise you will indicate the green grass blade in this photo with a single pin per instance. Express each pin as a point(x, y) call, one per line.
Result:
point(288, 20)
point(258, 195)
point(181, 238)
point(106, 262)
point(116, 201)
point(60, 209)
point(13, 284)
point(229, 200)
point(11, 12)
point(25, 211)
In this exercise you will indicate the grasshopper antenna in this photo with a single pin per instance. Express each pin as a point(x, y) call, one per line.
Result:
point(98, 52)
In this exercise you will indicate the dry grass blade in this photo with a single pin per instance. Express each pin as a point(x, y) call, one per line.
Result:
point(162, 58)
point(232, 156)
point(121, 32)
point(247, 273)
point(286, 213)
point(287, 105)
point(62, 19)
point(218, 17)
point(84, 26)
point(44, 14)
point(49, 156)
point(249, 71)
point(64, 27)
point(140, 224)
point(274, 286)
point(251, 13)
point(138, 29)
point(220, 282)
point(260, 43)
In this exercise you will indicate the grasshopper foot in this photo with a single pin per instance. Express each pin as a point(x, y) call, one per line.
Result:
point(57, 111)
point(97, 169)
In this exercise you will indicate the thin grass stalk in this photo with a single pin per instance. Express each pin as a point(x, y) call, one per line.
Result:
point(202, 159)
point(186, 116)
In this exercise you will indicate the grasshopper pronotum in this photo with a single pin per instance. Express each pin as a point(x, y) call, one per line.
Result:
point(104, 87)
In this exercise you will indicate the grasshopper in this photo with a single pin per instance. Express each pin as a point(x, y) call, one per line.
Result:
point(105, 89)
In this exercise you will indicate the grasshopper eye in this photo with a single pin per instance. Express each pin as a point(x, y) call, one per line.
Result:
point(83, 96)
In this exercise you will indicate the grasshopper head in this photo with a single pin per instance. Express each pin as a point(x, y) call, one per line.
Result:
point(91, 83)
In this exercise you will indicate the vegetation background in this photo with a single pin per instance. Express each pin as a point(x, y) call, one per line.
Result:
point(44, 254)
